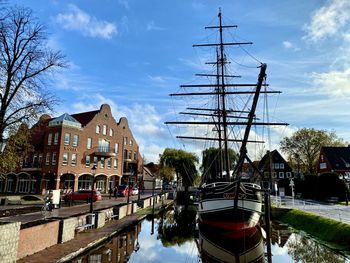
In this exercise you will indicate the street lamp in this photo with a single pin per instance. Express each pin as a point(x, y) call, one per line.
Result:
point(93, 172)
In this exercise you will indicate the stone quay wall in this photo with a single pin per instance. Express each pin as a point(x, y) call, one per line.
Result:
point(36, 238)
point(67, 229)
point(9, 233)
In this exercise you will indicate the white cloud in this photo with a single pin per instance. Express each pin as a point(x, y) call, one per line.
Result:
point(152, 26)
point(290, 45)
point(156, 78)
point(328, 20)
point(78, 20)
point(333, 83)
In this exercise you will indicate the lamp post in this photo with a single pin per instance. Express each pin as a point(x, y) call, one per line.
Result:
point(93, 172)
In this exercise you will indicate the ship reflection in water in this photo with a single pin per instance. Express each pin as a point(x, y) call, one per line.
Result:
point(174, 238)
point(246, 245)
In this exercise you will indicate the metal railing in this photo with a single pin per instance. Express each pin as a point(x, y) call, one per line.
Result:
point(336, 212)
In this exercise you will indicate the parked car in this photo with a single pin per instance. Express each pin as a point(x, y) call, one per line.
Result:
point(135, 191)
point(124, 190)
point(83, 195)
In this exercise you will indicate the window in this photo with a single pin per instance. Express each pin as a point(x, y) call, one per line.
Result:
point(115, 164)
point(129, 155)
point(53, 158)
point(75, 139)
point(65, 159)
point(102, 162)
point(125, 140)
point(266, 174)
point(116, 148)
point(323, 165)
point(55, 140)
point(49, 139)
point(34, 158)
point(87, 160)
point(288, 174)
point(74, 159)
point(98, 128)
point(131, 142)
point(104, 129)
point(89, 143)
point(277, 165)
point(274, 174)
point(110, 132)
point(135, 156)
point(281, 165)
point(125, 154)
point(109, 163)
point(95, 160)
point(281, 174)
point(66, 138)
point(47, 159)
point(40, 158)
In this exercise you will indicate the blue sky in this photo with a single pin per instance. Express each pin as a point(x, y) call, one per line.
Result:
point(132, 54)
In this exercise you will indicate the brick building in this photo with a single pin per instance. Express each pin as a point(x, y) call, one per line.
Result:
point(69, 146)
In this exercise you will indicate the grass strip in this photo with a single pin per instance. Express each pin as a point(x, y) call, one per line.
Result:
point(335, 233)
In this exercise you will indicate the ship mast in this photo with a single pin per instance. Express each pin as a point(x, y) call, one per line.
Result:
point(222, 114)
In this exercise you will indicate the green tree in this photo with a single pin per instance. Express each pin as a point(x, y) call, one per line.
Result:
point(25, 63)
point(303, 147)
point(18, 146)
point(183, 163)
point(211, 162)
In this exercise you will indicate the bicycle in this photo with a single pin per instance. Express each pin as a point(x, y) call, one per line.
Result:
point(46, 209)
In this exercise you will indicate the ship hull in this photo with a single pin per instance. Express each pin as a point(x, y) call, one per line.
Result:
point(217, 206)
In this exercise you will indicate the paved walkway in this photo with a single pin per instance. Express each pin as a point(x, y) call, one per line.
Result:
point(65, 212)
point(333, 211)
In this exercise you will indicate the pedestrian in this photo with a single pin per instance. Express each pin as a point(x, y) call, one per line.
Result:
point(110, 192)
point(115, 191)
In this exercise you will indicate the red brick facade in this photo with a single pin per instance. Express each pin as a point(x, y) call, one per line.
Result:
point(67, 147)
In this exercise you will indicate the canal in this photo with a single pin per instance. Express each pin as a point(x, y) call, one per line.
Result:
point(173, 236)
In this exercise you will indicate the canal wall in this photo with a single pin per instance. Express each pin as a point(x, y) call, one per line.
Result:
point(23, 242)
point(9, 233)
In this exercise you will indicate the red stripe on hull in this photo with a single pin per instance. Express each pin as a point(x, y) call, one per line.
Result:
point(229, 225)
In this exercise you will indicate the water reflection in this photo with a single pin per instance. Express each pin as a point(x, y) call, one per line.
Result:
point(118, 249)
point(239, 246)
point(176, 239)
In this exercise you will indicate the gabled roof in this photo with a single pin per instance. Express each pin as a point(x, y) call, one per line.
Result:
point(85, 117)
point(275, 156)
point(338, 157)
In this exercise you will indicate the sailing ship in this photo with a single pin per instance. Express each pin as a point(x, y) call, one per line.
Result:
point(227, 201)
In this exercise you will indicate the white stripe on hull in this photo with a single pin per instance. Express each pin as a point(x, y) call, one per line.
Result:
point(209, 206)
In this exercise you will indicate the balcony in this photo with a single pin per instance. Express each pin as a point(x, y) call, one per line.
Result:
point(104, 151)
point(28, 167)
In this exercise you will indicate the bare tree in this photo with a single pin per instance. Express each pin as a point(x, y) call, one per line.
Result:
point(25, 62)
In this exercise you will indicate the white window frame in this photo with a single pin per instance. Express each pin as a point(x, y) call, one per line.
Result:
point(53, 162)
point(98, 129)
point(280, 174)
point(102, 162)
point(65, 158)
point(277, 166)
point(281, 165)
point(75, 140)
point(66, 138)
point(274, 175)
point(115, 164)
point(87, 160)
point(104, 129)
point(74, 158)
point(89, 143)
point(110, 132)
point(116, 147)
point(109, 163)
point(47, 159)
point(289, 174)
point(49, 139)
point(55, 140)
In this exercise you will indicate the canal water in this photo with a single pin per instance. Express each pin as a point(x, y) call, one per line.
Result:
point(174, 236)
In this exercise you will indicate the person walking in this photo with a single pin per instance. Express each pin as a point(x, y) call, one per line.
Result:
point(115, 192)
point(110, 192)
